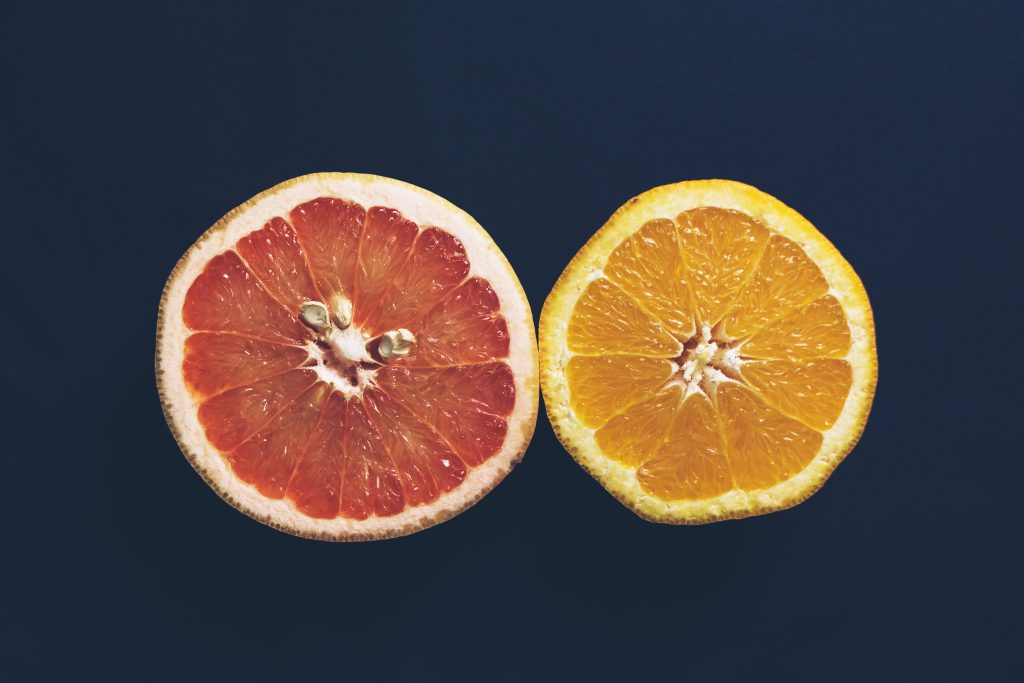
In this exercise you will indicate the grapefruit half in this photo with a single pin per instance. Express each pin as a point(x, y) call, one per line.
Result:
point(347, 357)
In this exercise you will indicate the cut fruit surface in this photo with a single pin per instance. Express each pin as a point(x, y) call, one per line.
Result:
point(348, 357)
point(708, 354)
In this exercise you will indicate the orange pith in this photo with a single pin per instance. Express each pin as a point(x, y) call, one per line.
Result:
point(340, 436)
point(708, 355)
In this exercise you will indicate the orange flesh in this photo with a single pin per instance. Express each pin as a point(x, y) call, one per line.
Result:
point(752, 419)
point(416, 429)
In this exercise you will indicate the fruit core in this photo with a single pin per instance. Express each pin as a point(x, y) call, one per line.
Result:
point(708, 354)
point(344, 356)
point(705, 360)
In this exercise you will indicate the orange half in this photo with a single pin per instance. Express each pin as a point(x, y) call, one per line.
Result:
point(708, 354)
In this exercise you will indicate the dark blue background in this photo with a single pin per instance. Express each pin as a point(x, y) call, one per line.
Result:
point(895, 127)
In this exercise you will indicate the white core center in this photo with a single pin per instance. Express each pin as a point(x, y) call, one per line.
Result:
point(708, 363)
point(341, 365)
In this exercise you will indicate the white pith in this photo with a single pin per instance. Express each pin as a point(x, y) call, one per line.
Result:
point(666, 203)
point(426, 210)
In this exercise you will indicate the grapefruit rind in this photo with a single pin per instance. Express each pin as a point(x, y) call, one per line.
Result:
point(668, 201)
point(425, 209)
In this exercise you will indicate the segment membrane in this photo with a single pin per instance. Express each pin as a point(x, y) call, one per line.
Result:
point(436, 266)
point(785, 279)
point(692, 464)
point(315, 485)
point(218, 361)
point(226, 297)
point(467, 405)
point(649, 267)
point(632, 436)
point(721, 251)
point(232, 416)
point(329, 230)
point(818, 330)
point(268, 458)
point(466, 327)
point(370, 483)
point(763, 446)
point(383, 249)
point(600, 386)
point(606, 320)
point(812, 391)
point(274, 256)
point(426, 464)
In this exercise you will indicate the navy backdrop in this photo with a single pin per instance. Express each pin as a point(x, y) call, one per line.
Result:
point(895, 127)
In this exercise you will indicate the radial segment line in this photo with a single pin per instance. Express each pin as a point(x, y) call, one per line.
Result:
point(391, 459)
point(444, 297)
point(746, 280)
point(324, 296)
point(779, 316)
point(276, 342)
point(394, 286)
point(312, 275)
point(720, 430)
point(763, 399)
point(626, 406)
point(342, 468)
point(359, 255)
point(469, 364)
point(305, 449)
point(423, 420)
point(254, 381)
point(287, 403)
point(263, 285)
point(655, 319)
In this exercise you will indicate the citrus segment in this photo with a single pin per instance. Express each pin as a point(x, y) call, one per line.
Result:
point(278, 262)
point(649, 267)
point(607, 320)
point(329, 228)
point(818, 330)
point(315, 483)
point(232, 416)
point(268, 458)
point(383, 250)
point(604, 385)
point(466, 327)
point(215, 361)
point(332, 367)
point(467, 405)
point(692, 464)
point(226, 297)
point(721, 251)
point(437, 264)
point(370, 484)
point(708, 354)
point(764, 447)
point(812, 391)
point(640, 430)
point(786, 278)
point(428, 466)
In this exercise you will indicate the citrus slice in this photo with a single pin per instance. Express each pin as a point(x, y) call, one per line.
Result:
point(708, 354)
point(347, 357)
